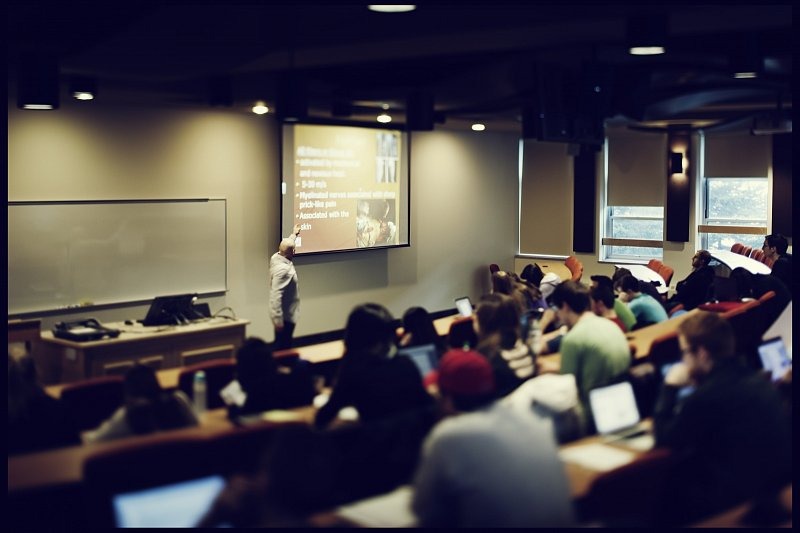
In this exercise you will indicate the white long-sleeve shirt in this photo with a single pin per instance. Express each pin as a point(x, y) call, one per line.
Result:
point(284, 297)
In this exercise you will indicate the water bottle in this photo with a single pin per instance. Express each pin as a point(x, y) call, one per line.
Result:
point(535, 337)
point(199, 391)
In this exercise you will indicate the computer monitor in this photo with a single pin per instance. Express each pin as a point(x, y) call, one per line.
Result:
point(171, 310)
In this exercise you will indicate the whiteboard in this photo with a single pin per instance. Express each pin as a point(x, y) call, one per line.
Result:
point(63, 255)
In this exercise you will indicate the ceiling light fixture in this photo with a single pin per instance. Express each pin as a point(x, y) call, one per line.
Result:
point(383, 8)
point(478, 127)
point(37, 81)
point(260, 108)
point(384, 118)
point(83, 88)
point(647, 35)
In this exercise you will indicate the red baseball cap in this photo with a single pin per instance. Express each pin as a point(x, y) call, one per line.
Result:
point(465, 373)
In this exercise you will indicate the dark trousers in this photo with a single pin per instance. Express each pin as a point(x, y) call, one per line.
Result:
point(283, 338)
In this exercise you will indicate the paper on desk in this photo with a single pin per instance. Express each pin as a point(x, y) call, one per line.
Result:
point(597, 456)
point(392, 509)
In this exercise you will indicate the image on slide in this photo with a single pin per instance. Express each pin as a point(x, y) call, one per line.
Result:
point(375, 223)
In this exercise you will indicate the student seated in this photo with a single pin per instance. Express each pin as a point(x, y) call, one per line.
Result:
point(267, 385)
point(645, 308)
point(488, 464)
point(695, 289)
point(370, 378)
point(36, 421)
point(730, 435)
point(147, 409)
point(419, 330)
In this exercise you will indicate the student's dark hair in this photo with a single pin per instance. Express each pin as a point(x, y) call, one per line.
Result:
point(572, 293)
point(601, 279)
point(620, 273)
point(778, 241)
point(498, 313)
point(704, 256)
point(254, 363)
point(141, 382)
point(603, 293)
point(419, 324)
point(148, 407)
point(370, 328)
point(532, 273)
point(710, 331)
point(628, 283)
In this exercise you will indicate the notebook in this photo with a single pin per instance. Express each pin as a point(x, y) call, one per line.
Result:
point(175, 505)
point(614, 410)
point(425, 357)
point(774, 357)
point(464, 306)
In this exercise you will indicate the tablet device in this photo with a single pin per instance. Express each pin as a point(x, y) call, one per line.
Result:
point(464, 306)
point(614, 410)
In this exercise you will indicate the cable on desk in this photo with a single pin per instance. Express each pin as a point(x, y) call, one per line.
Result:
point(229, 317)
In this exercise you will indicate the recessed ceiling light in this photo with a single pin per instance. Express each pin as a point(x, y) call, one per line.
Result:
point(383, 118)
point(478, 127)
point(745, 75)
point(384, 8)
point(260, 108)
point(83, 95)
point(646, 50)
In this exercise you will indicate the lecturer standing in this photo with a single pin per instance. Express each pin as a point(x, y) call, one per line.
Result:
point(284, 298)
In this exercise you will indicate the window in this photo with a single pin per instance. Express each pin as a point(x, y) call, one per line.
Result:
point(734, 210)
point(634, 232)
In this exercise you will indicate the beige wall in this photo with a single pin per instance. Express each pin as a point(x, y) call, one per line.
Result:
point(463, 203)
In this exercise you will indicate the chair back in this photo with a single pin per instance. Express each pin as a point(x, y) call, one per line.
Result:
point(92, 401)
point(462, 333)
point(666, 272)
point(737, 247)
point(749, 324)
point(219, 372)
point(628, 495)
point(494, 268)
point(654, 264)
point(757, 254)
point(746, 250)
point(575, 267)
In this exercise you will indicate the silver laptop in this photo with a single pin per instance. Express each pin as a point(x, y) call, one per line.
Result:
point(176, 505)
point(774, 357)
point(464, 306)
point(615, 413)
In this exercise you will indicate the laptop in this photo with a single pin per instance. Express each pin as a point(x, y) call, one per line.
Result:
point(615, 413)
point(464, 306)
point(176, 505)
point(425, 357)
point(774, 357)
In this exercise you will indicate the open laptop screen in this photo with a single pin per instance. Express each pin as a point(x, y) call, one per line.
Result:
point(614, 408)
point(176, 505)
point(425, 357)
point(774, 357)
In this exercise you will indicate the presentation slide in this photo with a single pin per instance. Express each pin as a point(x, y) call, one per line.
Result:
point(346, 186)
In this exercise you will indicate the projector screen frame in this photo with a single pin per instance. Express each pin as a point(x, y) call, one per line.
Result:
point(289, 174)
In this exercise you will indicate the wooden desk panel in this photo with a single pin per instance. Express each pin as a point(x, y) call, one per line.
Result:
point(170, 347)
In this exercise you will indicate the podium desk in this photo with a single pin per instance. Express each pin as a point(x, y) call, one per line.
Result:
point(65, 361)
